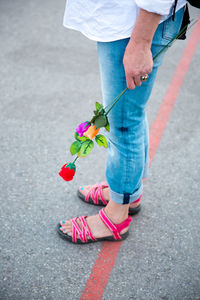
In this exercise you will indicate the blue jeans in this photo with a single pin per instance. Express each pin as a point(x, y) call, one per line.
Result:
point(128, 139)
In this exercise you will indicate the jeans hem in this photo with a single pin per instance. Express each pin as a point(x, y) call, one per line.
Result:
point(119, 198)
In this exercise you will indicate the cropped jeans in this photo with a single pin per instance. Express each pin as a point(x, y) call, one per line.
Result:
point(128, 139)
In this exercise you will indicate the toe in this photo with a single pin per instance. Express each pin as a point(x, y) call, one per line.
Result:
point(62, 222)
point(84, 189)
point(66, 227)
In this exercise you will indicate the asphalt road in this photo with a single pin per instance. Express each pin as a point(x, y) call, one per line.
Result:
point(49, 81)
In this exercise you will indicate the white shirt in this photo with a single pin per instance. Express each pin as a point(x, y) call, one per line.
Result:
point(110, 20)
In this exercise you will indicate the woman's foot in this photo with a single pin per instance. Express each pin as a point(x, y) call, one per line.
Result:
point(115, 212)
point(105, 193)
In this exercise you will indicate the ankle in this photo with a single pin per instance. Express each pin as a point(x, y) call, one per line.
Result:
point(117, 213)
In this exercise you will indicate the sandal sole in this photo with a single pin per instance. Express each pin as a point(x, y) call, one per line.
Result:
point(132, 210)
point(68, 238)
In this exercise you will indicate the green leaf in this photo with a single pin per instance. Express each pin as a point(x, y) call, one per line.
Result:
point(75, 147)
point(94, 118)
point(80, 138)
point(99, 106)
point(107, 127)
point(86, 148)
point(101, 140)
point(101, 121)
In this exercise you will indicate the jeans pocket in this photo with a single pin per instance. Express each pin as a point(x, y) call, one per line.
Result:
point(170, 27)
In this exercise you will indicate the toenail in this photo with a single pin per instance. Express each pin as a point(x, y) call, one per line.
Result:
point(63, 222)
point(82, 188)
point(65, 231)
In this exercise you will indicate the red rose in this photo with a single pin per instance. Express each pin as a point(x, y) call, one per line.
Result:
point(67, 172)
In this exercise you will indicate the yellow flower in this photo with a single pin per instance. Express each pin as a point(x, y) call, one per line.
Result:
point(91, 132)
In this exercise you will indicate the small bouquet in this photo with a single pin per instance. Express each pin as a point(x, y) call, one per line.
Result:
point(88, 130)
point(84, 135)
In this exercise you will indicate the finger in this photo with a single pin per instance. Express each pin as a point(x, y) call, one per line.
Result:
point(130, 82)
point(137, 80)
point(147, 70)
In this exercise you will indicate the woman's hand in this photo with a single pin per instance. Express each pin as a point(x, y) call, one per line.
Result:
point(137, 62)
point(137, 57)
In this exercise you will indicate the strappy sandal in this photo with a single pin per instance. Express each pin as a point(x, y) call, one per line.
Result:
point(85, 234)
point(95, 197)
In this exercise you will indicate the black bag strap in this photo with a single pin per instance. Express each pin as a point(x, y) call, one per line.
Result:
point(174, 10)
point(185, 23)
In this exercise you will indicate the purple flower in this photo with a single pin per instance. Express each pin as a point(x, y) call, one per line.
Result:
point(83, 127)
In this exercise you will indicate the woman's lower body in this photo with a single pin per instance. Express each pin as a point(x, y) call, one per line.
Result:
point(128, 158)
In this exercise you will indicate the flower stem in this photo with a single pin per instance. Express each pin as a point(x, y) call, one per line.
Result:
point(175, 38)
point(112, 101)
point(115, 100)
point(75, 160)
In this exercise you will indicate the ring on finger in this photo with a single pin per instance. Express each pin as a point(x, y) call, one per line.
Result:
point(144, 78)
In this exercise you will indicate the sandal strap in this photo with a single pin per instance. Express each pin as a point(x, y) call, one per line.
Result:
point(75, 229)
point(96, 192)
point(84, 232)
point(86, 228)
point(114, 228)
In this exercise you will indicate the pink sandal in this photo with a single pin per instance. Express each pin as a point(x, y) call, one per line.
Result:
point(96, 192)
point(85, 231)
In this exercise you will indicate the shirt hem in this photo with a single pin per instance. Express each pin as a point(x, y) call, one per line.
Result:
point(97, 39)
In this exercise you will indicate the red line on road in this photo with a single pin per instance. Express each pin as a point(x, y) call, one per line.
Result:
point(105, 261)
point(171, 95)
